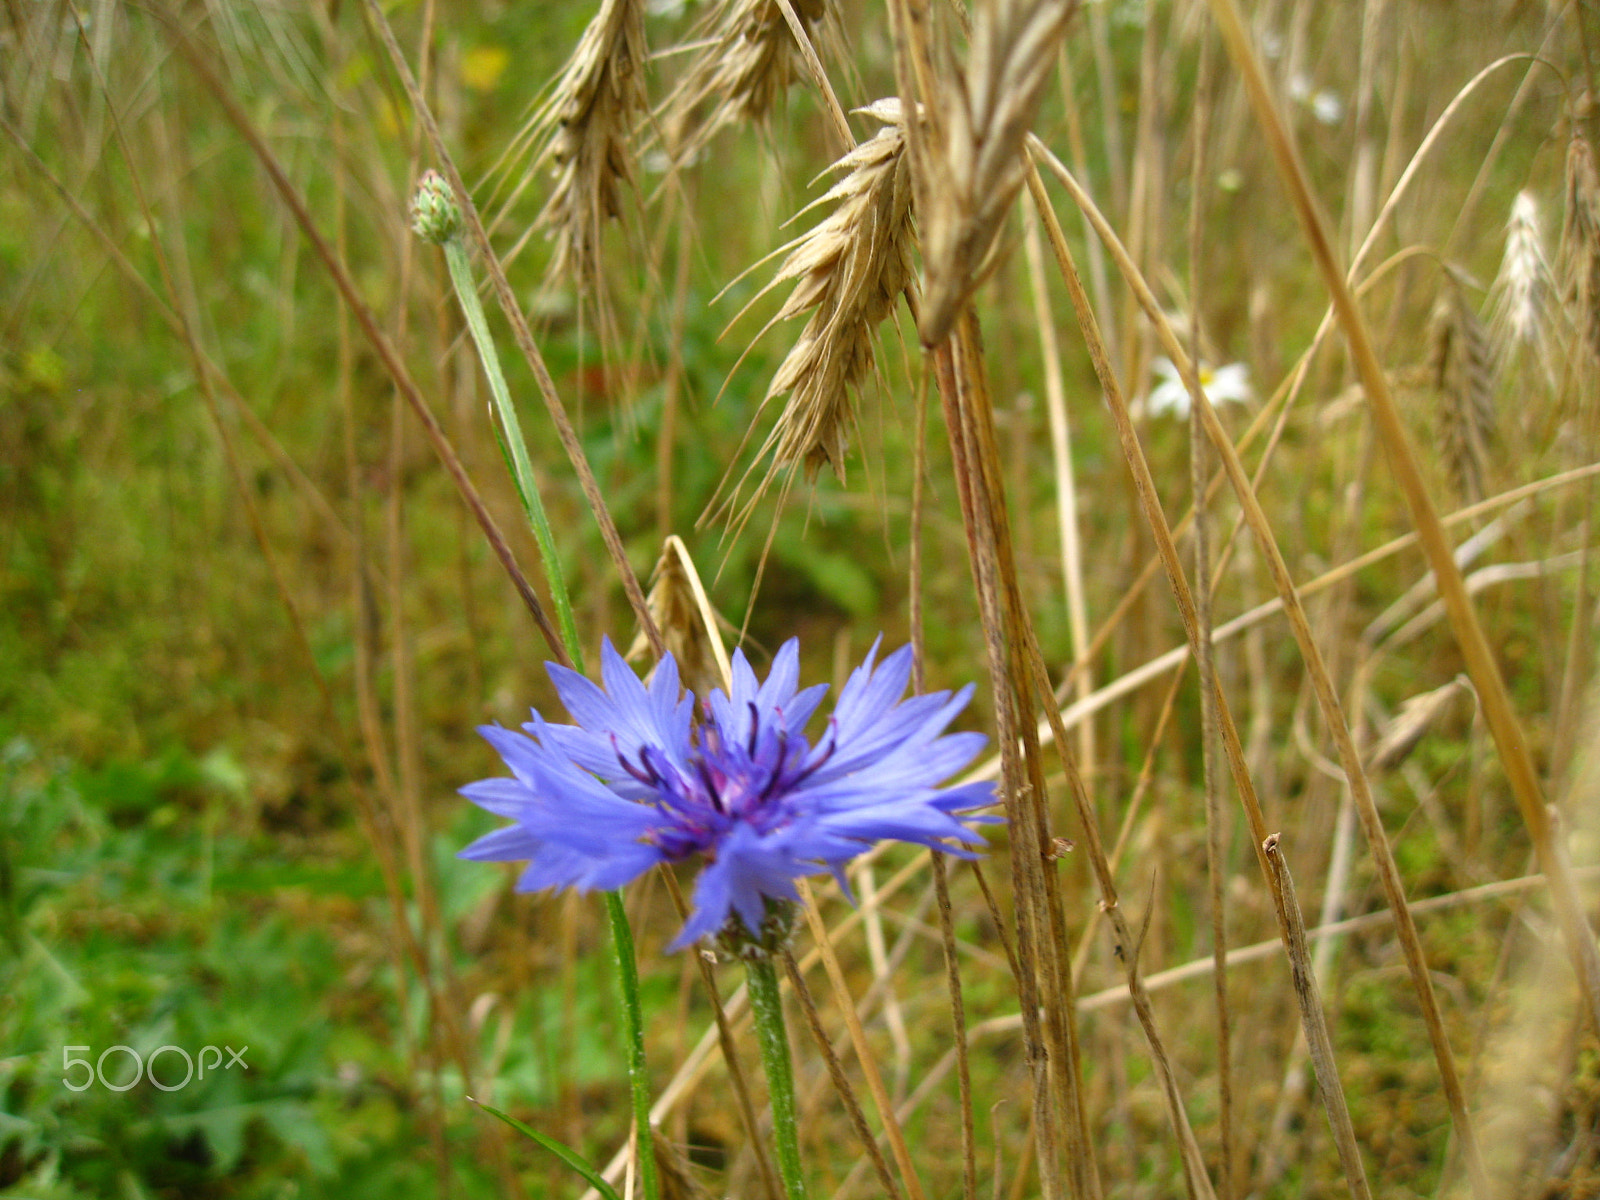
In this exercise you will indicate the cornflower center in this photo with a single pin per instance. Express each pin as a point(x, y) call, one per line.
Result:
point(728, 781)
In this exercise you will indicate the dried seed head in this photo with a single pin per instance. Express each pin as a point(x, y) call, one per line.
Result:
point(675, 608)
point(1461, 372)
point(1404, 733)
point(975, 159)
point(1580, 243)
point(1521, 294)
point(1521, 289)
point(585, 127)
point(749, 60)
point(677, 1176)
point(850, 271)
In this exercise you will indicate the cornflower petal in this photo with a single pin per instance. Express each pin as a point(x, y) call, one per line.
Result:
point(778, 694)
point(782, 679)
point(748, 869)
point(620, 733)
point(502, 797)
point(900, 730)
point(798, 711)
point(511, 844)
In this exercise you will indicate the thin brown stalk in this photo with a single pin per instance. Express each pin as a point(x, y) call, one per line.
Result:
point(522, 334)
point(858, 1039)
point(1041, 984)
point(1482, 666)
point(1141, 789)
point(406, 799)
point(947, 937)
point(1195, 1176)
point(1327, 696)
point(1569, 707)
point(1055, 391)
point(362, 600)
point(374, 335)
point(958, 1016)
point(970, 415)
point(1319, 1042)
point(1205, 662)
point(375, 820)
point(841, 1082)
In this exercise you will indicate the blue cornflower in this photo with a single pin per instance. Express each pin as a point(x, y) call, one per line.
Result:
point(639, 780)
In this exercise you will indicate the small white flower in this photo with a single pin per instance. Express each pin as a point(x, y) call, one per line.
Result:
point(1327, 108)
point(1224, 385)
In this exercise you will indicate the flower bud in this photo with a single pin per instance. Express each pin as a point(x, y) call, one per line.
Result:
point(435, 216)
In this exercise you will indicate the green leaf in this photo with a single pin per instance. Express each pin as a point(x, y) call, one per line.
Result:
point(596, 1180)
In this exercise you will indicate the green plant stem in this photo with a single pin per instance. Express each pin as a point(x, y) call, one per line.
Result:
point(508, 432)
point(638, 1078)
point(766, 1006)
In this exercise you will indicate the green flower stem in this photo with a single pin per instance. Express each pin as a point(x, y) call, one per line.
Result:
point(638, 1078)
point(767, 1007)
point(508, 432)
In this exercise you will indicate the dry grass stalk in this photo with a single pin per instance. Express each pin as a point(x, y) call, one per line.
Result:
point(1326, 694)
point(750, 59)
point(586, 125)
point(1482, 666)
point(1318, 1041)
point(1580, 243)
point(858, 1040)
point(520, 331)
point(850, 270)
point(1461, 372)
point(975, 162)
